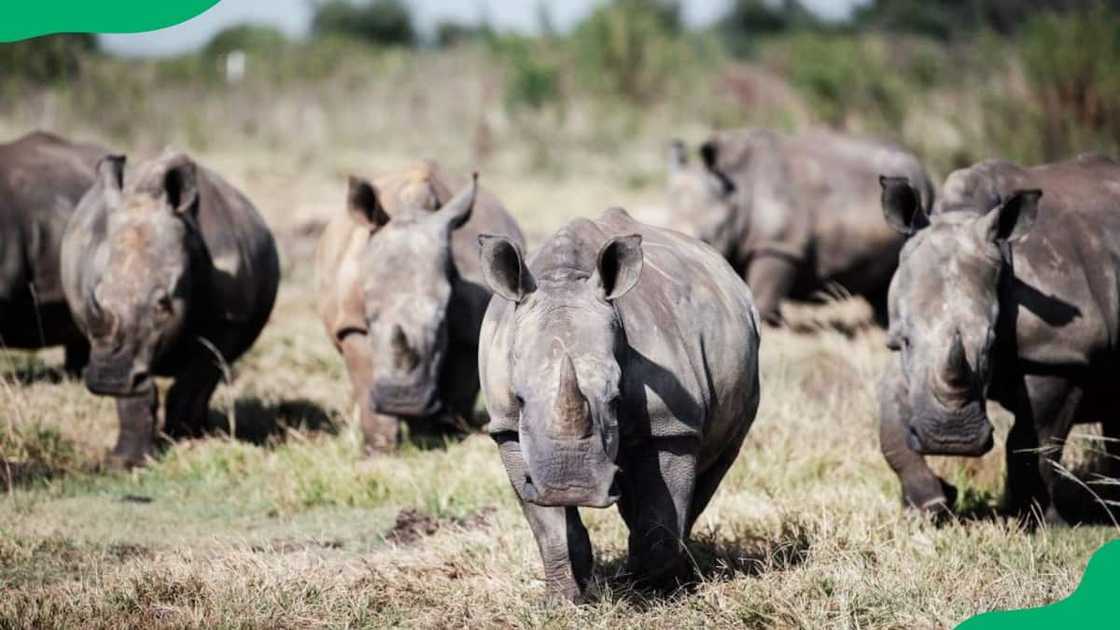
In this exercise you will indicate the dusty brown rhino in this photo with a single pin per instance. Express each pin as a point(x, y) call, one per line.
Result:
point(1008, 293)
point(797, 215)
point(42, 178)
point(402, 297)
point(619, 364)
point(171, 272)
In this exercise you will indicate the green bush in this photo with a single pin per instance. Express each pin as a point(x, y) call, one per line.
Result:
point(629, 48)
point(1071, 62)
point(748, 20)
point(533, 78)
point(246, 37)
point(381, 22)
point(46, 59)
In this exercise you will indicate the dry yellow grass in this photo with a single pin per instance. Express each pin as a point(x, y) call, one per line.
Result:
point(289, 527)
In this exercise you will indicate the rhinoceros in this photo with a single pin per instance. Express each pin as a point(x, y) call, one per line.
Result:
point(619, 364)
point(42, 178)
point(797, 215)
point(401, 296)
point(171, 272)
point(1008, 292)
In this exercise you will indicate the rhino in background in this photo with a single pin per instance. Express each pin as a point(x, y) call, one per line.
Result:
point(402, 297)
point(1008, 292)
point(42, 178)
point(619, 364)
point(796, 215)
point(170, 272)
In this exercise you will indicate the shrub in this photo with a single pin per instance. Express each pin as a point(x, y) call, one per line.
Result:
point(382, 22)
point(246, 37)
point(46, 59)
point(628, 48)
point(533, 80)
point(747, 20)
point(1071, 63)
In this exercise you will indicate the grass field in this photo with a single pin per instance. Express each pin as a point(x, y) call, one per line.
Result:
point(284, 525)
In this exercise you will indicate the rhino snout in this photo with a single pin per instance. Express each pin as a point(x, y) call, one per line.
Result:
point(970, 437)
point(117, 376)
point(405, 399)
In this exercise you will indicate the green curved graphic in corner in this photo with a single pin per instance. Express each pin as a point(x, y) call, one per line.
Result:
point(1090, 606)
point(21, 19)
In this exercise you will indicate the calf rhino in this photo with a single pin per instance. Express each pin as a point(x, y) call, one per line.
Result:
point(402, 298)
point(620, 364)
point(42, 178)
point(1008, 293)
point(170, 273)
point(797, 215)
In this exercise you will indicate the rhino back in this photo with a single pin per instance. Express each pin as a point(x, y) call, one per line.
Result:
point(1066, 286)
point(42, 178)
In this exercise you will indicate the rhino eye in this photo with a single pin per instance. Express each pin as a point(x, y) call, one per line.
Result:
point(163, 305)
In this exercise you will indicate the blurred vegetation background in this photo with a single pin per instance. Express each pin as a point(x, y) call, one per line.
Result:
point(957, 81)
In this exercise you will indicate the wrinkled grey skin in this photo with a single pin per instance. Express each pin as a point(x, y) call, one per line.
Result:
point(620, 364)
point(42, 177)
point(797, 216)
point(1008, 293)
point(170, 273)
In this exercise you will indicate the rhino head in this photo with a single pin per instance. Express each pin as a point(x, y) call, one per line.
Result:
point(944, 307)
point(407, 289)
point(564, 365)
point(704, 195)
point(137, 306)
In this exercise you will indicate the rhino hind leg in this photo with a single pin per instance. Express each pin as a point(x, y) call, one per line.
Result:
point(710, 479)
point(138, 416)
point(77, 357)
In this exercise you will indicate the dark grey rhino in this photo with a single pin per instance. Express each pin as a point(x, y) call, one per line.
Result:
point(170, 273)
point(42, 178)
point(402, 297)
point(797, 215)
point(1009, 292)
point(620, 364)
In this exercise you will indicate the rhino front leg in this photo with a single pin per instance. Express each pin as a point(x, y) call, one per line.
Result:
point(77, 357)
point(380, 433)
point(1043, 419)
point(771, 278)
point(138, 416)
point(921, 488)
point(561, 537)
point(657, 491)
point(188, 401)
point(565, 549)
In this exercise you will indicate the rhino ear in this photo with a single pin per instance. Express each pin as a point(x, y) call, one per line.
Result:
point(363, 204)
point(1013, 219)
point(709, 155)
point(180, 185)
point(110, 172)
point(619, 266)
point(504, 269)
point(902, 206)
point(678, 155)
point(458, 211)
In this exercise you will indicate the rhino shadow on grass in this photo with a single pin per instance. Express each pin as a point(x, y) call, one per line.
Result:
point(260, 422)
point(717, 554)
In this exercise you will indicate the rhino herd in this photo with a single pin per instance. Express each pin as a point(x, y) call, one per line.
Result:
point(619, 361)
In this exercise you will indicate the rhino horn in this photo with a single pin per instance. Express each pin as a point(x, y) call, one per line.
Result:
point(404, 357)
point(957, 373)
point(572, 416)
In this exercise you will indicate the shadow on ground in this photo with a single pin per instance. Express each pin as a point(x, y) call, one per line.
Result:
point(259, 422)
point(715, 555)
